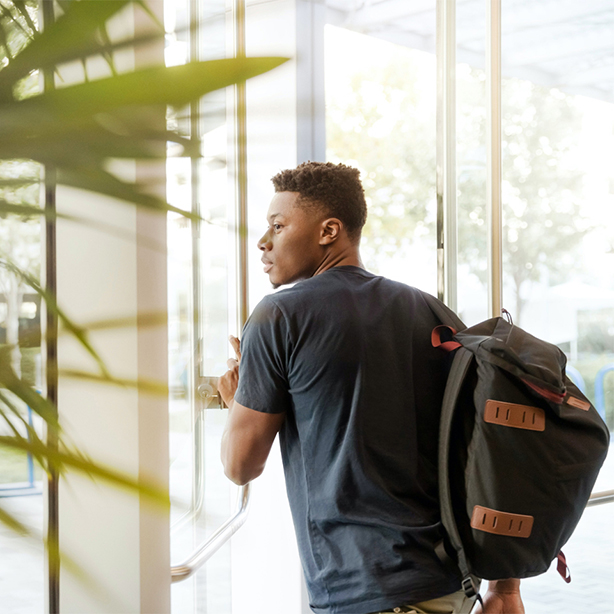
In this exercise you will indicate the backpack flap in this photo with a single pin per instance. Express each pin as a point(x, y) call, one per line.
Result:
point(524, 450)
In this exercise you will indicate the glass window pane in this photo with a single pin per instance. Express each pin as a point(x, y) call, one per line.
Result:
point(558, 221)
point(380, 118)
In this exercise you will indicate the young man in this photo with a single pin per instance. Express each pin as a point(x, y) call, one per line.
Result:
point(341, 365)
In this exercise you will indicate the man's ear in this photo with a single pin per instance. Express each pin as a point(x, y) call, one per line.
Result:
point(330, 230)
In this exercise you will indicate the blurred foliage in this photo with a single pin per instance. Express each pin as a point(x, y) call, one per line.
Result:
point(383, 127)
point(72, 132)
point(384, 123)
point(542, 191)
point(14, 465)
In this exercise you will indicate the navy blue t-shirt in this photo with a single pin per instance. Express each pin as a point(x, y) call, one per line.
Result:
point(347, 355)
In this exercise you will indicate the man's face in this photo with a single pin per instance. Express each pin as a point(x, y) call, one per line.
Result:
point(291, 245)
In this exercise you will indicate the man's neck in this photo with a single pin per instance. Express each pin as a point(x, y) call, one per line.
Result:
point(349, 256)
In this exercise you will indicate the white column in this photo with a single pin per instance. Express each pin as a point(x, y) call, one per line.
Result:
point(117, 541)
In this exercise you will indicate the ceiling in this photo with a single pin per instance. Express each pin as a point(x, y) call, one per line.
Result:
point(568, 44)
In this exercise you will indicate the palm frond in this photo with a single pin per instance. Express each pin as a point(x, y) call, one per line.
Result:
point(102, 182)
point(12, 523)
point(68, 107)
point(17, 415)
point(20, 5)
point(62, 459)
point(29, 211)
point(24, 391)
point(78, 332)
point(78, 24)
point(7, 14)
point(142, 385)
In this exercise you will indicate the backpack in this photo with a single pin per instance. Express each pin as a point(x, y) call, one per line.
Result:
point(520, 449)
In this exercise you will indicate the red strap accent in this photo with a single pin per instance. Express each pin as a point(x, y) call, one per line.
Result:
point(561, 567)
point(555, 397)
point(448, 346)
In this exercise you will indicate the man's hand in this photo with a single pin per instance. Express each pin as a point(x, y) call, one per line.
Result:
point(502, 597)
point(248, 434)
point(228, 383)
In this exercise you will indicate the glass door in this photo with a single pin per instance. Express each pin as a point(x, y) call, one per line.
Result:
point(201, 263)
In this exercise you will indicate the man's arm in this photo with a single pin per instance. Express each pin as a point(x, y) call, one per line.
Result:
point(502, 597)
point(249, 434)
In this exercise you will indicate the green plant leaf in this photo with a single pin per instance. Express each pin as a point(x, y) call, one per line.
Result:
point(100, 181)
point(30, 211)
point(20, 5)
point(23, 391)
point(12, 523)
point(31, 432)
point(22, 182)
point(107, 55)
point(87, 48)
point(178, 85)
point(142, 385)
point(70, 31)
point(60, 459)
point(92, 145)
point(77, 331)
point(155, 318)
point(8, 15)
point(4, 43)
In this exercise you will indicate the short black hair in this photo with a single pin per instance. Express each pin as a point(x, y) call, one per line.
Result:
point(335, 188)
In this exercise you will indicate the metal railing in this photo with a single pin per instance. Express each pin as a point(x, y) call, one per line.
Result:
point(216, 541)
point(598, 498)
point(232, 525)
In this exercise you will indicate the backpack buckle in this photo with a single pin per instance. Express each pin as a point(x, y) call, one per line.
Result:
point(469, 586)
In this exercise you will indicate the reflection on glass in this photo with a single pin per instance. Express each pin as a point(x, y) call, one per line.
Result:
point(380, 118)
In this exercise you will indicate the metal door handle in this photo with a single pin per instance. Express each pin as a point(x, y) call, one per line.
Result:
point(209, 393)
point(210, 398)
point(216, 541)
point(597, 498)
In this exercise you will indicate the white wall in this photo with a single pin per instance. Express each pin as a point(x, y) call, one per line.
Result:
point(118, 543)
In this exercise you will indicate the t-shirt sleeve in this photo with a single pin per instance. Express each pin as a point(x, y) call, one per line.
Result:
point(263, 382)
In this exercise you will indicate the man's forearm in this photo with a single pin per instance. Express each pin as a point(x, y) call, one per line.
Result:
point(224, 447)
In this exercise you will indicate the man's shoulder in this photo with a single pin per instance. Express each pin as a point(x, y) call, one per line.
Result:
point(336, 283)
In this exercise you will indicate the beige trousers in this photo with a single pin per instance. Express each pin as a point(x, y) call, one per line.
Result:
point(455, 603)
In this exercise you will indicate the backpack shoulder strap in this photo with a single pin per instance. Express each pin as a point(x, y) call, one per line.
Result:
point(443, 313)
point(458, 372)
point(456, 377)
